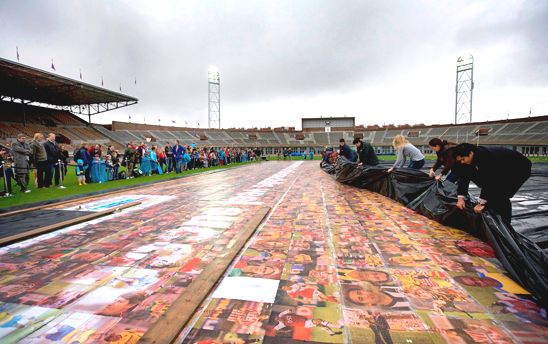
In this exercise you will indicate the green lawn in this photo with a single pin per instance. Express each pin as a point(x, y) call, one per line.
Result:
point(72, 187)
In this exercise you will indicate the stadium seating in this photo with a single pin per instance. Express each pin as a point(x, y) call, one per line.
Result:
point(14, 119)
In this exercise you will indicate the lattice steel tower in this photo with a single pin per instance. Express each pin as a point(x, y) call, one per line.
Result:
point(464, 88)
point(214, 98)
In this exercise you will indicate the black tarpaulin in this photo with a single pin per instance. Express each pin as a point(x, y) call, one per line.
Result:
point(523, 254)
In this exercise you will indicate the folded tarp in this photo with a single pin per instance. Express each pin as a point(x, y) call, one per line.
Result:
point(524, 255)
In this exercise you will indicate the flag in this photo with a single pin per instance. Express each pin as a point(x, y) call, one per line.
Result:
point(120, 87)
point(17, 52)
point(173, 121)
point(80, 74)
point(129, 116)
point(186, 123)
point(135, 81)
point(52, 66)
point(102, 82)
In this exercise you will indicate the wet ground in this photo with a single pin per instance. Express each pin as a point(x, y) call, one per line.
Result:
point(331, 263)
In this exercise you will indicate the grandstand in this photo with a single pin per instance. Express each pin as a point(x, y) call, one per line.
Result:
point(527, 135)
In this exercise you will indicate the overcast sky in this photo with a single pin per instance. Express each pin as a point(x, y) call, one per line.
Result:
point(380, 61)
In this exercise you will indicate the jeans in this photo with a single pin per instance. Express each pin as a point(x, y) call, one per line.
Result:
point(178, 165)
point(416, 165)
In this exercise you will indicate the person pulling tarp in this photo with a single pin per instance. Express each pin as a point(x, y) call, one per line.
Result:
point(498, 171)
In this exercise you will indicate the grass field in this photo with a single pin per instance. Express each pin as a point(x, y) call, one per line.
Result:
point(72, 187)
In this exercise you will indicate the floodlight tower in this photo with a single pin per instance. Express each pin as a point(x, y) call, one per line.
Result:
point(214, 98)
point(464, 88)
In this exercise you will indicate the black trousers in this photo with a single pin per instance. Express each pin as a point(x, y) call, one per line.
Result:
point(52, 173)
point(41, 173)
point(502, 206)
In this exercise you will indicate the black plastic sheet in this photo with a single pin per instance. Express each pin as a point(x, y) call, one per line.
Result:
point(523, 254)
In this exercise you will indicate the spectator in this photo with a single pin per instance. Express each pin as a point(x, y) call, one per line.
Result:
point(110, 150)
point(115, 164)
point(498, 171)
point(39, 157)
point(178, 152)
point(21, 157)
point(109, 167)
point(129, 159)
point(80, 172)
point(83, 154)
point(6, 170)
point(346, 151)
point(64, 156)
point(222, 156)
point(53, 161)
point(366, 153)
point(95, 151)
point(169, 158)
point(405, 149)
point(444, 150)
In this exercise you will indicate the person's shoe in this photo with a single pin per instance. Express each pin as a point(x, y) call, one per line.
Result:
point(26, 191)
point(61, 187)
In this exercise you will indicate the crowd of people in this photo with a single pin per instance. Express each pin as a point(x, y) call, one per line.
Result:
point(48, 161)
point(499, 172)
point(42, 154)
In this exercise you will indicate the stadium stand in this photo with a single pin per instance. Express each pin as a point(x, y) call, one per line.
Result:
point(528, 135)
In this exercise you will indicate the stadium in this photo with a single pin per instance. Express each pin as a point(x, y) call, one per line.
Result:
point(265, 234)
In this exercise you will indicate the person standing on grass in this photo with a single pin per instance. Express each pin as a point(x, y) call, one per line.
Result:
point(405, 149)
point(53, 161)
point(498, 171)
point(6, 171)
point(129, 159)
point(21, 157)
point(64, 156)
point(444, 150)
point(169, 157)
point(366, 153)
point(178, 153)
point(40, 158)
point(84, 155)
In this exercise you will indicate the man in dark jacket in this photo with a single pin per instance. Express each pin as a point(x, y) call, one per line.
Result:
point(21, 158)
point(498, 171)
point(178, 154)
point(366, 153)
point(346, 151)
point(84, 155)
point(53, 157)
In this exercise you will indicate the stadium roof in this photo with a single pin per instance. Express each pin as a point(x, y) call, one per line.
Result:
point(32, 85)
